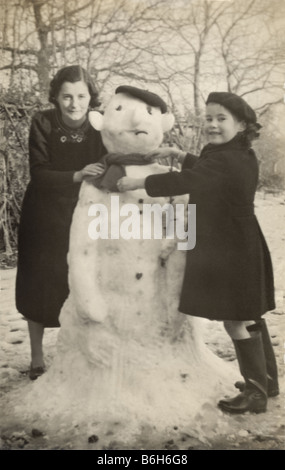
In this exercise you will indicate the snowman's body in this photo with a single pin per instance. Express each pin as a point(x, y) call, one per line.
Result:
point(121, 331)
point(106, 273)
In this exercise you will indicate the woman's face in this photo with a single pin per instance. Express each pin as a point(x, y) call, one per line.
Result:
point(73, 100)
point(221, 126)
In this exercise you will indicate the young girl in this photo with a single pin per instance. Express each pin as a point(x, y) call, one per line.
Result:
point(63, 150)
point(228, 275)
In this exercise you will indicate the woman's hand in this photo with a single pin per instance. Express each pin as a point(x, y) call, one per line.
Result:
point(167, 153)
point(129, 184)
point(93, 169)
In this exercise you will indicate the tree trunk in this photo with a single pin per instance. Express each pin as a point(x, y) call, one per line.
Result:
point(196, 84)
point(43, 65)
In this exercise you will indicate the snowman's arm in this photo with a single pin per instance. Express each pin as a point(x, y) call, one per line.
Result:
point(83, 260)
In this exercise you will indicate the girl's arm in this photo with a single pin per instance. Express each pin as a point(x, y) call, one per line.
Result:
point(129, 184)
point(187, 160)
point(207, 176)
point(167, 153)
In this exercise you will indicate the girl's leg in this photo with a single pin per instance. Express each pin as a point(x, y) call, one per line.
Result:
point(271, 364)
point(251, 358)
point(36, 332)
point(238, 329)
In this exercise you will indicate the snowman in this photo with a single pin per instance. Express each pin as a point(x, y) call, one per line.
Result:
point(125, 354)
point(132, 234)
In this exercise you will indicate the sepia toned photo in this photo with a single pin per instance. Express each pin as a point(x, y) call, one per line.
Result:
point(142, 216)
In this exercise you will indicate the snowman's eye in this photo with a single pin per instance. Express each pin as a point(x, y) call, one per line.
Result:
point(119, 108)
point(149, 109)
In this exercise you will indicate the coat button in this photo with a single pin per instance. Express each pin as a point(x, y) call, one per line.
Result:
point(139, 275)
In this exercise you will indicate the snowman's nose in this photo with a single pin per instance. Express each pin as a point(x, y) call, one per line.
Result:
point(136, 117)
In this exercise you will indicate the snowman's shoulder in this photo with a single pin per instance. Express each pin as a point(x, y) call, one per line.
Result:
point(158, 168)
point(140, 171)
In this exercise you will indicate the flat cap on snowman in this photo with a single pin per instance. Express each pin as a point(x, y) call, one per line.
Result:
point(134, 120)
point(144, 95)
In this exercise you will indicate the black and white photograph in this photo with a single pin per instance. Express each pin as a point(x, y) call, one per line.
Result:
point(142, 216)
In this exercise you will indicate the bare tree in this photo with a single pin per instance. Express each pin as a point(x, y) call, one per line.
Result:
point(253, 62)
point(184, 47)
point(186, 32)
point(41, 35)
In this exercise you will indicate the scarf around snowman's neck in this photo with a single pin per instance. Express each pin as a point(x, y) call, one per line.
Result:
point(114, 164)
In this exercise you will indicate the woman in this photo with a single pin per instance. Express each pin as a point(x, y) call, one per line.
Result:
point(63, 150)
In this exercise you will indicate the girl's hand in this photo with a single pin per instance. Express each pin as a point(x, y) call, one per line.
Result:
point(166, 153)
point(93, 169)
point(129, 184)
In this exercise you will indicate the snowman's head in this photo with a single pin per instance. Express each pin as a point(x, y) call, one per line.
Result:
point(134, 121)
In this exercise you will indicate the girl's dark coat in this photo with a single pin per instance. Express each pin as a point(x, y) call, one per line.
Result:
point(228, 274)
point(51, 196)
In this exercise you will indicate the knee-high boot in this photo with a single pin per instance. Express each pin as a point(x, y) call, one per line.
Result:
point(251, 359)
point(271, 365)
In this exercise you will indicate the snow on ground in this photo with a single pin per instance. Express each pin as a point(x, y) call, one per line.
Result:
point(246, 431)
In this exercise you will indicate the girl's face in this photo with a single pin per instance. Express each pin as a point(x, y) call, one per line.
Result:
point(73, 100)
point(221, 126)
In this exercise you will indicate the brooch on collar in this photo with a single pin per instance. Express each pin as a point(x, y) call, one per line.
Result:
point(71, 135)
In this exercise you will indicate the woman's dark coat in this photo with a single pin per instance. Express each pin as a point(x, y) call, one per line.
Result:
point(228, 274)
point(55, 154)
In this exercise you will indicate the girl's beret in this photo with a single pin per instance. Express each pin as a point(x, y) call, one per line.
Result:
point(235, 104)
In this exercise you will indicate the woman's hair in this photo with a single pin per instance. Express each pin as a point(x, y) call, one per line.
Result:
point(72, 73)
